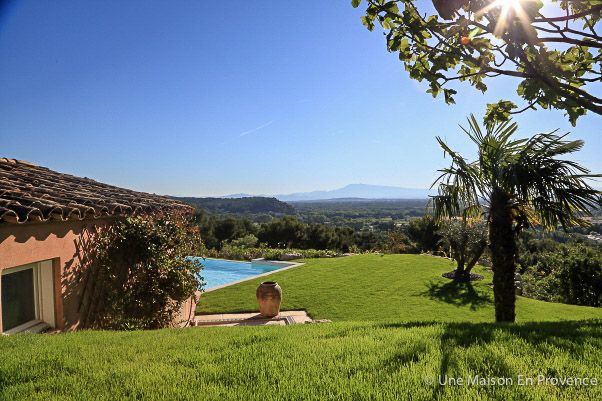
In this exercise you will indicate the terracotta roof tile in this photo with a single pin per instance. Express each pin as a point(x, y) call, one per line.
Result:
point(30, 193)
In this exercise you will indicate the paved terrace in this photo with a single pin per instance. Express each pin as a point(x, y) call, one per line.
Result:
point(252, 319)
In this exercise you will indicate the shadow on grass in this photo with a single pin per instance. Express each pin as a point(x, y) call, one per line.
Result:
point(568, 336)
point(457, 293)
point(456, 338)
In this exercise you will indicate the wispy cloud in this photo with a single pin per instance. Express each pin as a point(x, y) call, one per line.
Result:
point(256, 128)
point(244, 133)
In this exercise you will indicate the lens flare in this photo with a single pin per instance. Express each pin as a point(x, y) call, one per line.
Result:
point(508, 10)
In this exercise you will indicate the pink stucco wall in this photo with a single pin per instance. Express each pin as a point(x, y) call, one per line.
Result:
point(65, 243)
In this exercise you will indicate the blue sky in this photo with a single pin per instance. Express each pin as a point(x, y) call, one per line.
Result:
point(210, 98)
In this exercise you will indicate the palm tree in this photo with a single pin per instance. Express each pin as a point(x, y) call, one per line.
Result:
point(517, 184)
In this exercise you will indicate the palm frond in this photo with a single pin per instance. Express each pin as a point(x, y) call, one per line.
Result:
point(545, 189)
point(556, 189)
point(458, 187)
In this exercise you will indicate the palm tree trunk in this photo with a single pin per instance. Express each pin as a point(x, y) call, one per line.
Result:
point(503, 251)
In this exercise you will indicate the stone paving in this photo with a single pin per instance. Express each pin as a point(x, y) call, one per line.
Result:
point(251, 319)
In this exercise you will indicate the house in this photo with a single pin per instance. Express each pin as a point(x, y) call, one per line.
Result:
point(47, 223)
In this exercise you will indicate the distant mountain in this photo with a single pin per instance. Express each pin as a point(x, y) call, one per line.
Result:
point(234, 196)
point(363, 191)
point(242, 206)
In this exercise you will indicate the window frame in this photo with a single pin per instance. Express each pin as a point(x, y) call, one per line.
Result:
point(37, 324)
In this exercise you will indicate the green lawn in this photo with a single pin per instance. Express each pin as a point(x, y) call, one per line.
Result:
point(375, 287)
point(338, 361)
point(398, 327)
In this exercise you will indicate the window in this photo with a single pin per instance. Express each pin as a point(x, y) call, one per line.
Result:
point(27, 297)
point(18, 298)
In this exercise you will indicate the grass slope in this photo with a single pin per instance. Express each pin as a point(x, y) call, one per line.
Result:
point(338, 361)
point(375, 287)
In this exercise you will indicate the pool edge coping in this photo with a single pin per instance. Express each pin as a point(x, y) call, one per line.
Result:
point(291, 265)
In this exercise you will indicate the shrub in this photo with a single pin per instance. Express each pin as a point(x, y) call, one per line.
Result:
point(423, 232)
point(232, 252)
point(285, 232)
point(248, 241)
point(140, 274)
point(570, 274)
point(398, 242)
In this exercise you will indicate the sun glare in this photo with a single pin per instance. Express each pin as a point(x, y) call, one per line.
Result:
point(507, 4)
point(508, 10)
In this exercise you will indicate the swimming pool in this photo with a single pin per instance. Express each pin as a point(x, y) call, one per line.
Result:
point(218, 272)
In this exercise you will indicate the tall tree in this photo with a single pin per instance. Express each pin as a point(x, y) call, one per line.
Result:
point(556, 57)
point(516, 183)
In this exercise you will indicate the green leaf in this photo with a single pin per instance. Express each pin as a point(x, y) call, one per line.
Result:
point(574, 113)
point(499, 112)
point(449, 96)
point(474, 33)
point(404, 44)
point(367, 22)
point(481, 86)
point(355, 3)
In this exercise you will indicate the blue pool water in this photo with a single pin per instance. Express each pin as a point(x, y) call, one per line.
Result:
point(217, 272)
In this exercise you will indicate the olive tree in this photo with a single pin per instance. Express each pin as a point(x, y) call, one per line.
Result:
point(466, 240)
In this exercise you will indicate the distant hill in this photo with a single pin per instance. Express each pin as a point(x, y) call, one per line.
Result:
point(240, 196)
point(361, 191)
point(362, 202)
point(246, 205)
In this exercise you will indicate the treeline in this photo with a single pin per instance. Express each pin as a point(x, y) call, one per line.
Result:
point(284, 232)
point(250, 206)
point(363, 216)
point(419, 235)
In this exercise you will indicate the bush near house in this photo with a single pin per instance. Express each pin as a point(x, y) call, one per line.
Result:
point(139, 274)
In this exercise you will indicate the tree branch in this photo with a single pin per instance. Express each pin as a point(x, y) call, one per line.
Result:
point(568, 30)
point(570, 17)
point(529, 106)
point(578, 42)
point(558, 86)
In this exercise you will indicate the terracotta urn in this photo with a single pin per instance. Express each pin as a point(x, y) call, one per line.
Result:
point(269, 296)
